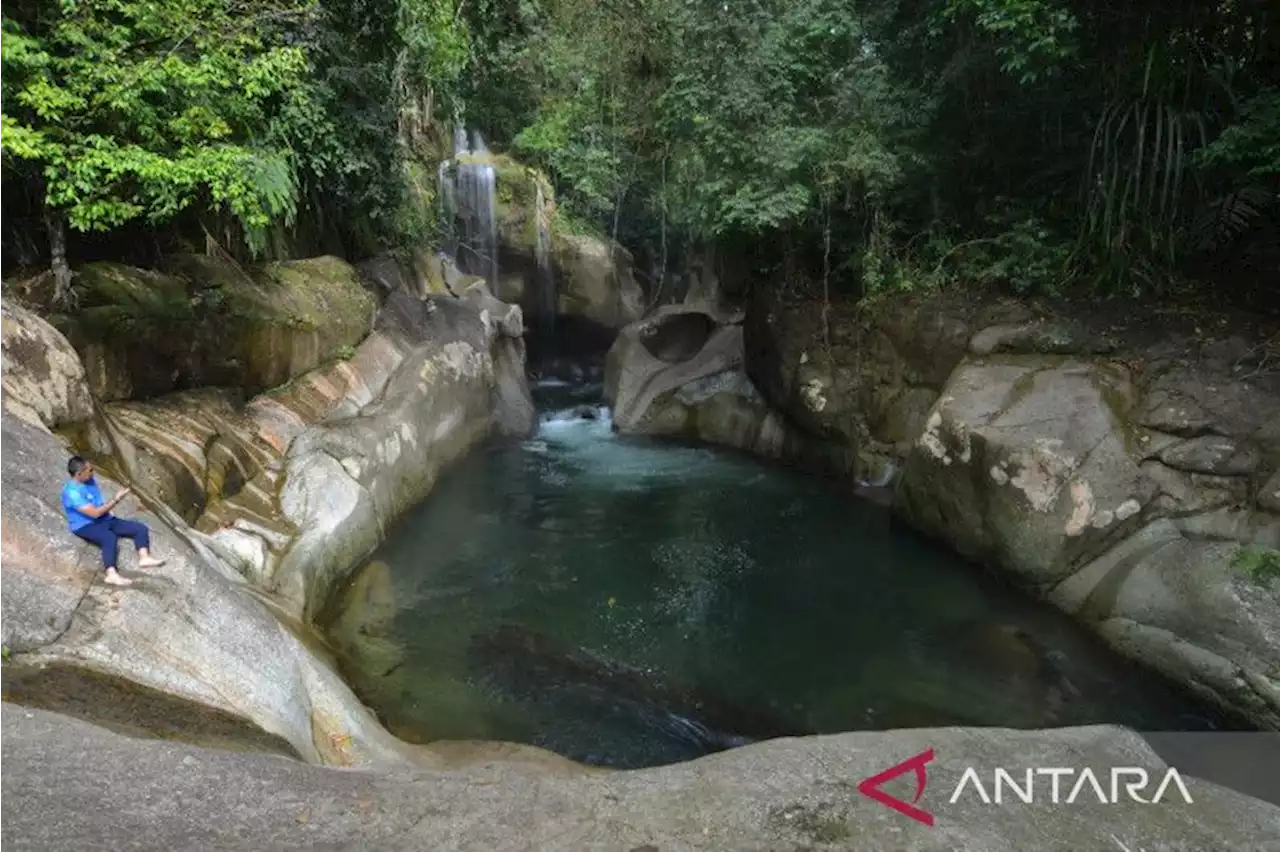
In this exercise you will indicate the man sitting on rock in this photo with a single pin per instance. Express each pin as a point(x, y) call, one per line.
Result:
point(91, 519)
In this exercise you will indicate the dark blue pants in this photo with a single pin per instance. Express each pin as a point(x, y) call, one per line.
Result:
point(107, 532)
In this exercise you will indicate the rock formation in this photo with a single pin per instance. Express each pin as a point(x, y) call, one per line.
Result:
point(1132, 486)
point(282, 496)
point(680, 373)
point(64, 782)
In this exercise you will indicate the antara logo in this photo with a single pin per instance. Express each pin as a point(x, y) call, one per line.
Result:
point(870, 787)
point(1006, 788)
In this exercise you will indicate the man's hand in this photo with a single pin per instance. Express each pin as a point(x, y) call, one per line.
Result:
point(120, 495)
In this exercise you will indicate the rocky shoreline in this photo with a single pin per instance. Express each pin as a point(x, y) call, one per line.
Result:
point(263, 507)
point(62, 776)
point(1135, 487)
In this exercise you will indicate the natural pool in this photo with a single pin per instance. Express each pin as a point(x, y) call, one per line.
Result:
point(629, 603)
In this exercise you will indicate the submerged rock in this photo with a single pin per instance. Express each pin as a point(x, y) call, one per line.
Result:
point(533, 665)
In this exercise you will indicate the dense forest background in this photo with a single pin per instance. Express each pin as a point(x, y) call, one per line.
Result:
point(1060, 147)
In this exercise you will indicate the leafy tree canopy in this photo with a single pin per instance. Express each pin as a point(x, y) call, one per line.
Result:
point(1052, 145)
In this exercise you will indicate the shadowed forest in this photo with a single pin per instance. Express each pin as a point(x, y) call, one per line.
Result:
point(1060, 148)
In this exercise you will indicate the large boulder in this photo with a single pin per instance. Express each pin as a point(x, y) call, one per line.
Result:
point(861, 378)
point(204, 322)
point(1042, 467)
point(64, 778)
point(595, 281)
point(44, 381)
point(46, 572)
point(44, 388)
point(191, 629)
point(680, 374)
point(1025, 465)
point(346, 482)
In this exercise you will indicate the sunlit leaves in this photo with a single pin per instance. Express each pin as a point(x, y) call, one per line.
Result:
point(19, 141)
point(1033, 37)
point(135, 109)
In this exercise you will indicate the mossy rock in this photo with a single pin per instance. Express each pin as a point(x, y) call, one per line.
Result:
point(516, 188)
point(138, 292)
point(203, 322)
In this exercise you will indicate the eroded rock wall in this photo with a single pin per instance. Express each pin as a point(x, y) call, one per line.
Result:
point(204, 322)
point(259, 509)
point(1132, 482)
point(681, 374)
point(1059, 471)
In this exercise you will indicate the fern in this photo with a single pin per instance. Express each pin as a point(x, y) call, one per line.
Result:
point(1226, 218)
point(1138, 183)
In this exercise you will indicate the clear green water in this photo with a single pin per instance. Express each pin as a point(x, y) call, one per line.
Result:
point(721, 599)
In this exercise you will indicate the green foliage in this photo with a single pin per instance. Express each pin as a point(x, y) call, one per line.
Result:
point(1043, 146)
point(1251, 144)
point(276, 115)
point(139, 110)
point(1024, 255)
point(647, 129)
point(805, 112)
point(569, 221)
point(1033, 37)
point(890, 264)
point(1259, 562)
point(437, 46)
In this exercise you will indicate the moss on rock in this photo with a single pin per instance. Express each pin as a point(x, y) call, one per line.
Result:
point(204, 322)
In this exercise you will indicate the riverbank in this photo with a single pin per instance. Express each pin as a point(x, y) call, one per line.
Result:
point(630, 602)
point(259, 506)
point(1126, 474)
point(222, 625)
point(69, 784)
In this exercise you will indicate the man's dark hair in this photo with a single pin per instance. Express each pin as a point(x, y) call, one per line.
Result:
point(75, 464)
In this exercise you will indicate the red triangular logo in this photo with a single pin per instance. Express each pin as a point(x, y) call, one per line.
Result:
point(871, 787)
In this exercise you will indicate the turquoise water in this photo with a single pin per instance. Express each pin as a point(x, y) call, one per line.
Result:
point(626, 602)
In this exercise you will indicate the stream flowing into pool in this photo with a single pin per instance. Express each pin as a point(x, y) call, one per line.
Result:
point(626, 602)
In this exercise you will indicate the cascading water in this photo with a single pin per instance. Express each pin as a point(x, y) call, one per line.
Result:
point(448, 212)
point(546, 283)
point(468, 213)
point(468, 203)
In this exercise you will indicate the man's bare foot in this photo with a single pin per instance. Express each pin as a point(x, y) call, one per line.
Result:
point(114, 579)
point(150, 562)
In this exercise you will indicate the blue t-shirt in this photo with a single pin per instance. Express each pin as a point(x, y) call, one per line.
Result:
point(77, 494)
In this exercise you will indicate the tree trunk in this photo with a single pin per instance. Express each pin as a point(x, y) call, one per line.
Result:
point(57, 229)
point(826, 276)
point(662, 281)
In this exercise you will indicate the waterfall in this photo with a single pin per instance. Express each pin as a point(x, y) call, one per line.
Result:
point(546, 282)
point(448, 211)
point(468, 206)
